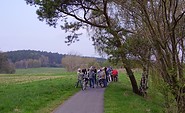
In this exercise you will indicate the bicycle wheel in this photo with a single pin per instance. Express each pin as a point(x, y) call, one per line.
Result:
point(83, 85)
point(101, 83)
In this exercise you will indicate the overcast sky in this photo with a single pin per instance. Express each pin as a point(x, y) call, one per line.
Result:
point(21, 30)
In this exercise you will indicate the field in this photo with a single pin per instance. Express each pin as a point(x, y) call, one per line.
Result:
point(43, 89)
point(35, 90)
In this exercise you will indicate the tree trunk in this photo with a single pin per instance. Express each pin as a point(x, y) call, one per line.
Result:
point(144, 79)
point(144, 82)
point(180, 98)
point(132, 80)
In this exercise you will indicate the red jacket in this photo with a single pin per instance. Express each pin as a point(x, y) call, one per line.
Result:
point(114, 72)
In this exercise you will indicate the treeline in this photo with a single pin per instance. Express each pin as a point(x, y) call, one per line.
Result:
point(34, 59)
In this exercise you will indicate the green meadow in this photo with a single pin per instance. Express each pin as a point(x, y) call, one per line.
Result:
point(35, 90)
point(39, 90)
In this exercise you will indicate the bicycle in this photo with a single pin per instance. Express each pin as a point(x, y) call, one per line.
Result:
point(100, 83)
point(84, 83)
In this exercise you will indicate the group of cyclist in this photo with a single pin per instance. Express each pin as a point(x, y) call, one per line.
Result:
point(95, 77)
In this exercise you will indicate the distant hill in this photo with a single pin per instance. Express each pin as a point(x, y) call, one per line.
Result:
point(37, 58)
point(54, 59)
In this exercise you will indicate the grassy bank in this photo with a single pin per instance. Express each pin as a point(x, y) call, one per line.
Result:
point(42, 92)
point(119, 98)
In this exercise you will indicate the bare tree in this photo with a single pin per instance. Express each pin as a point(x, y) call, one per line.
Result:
point(73, 62)
point(5, 65)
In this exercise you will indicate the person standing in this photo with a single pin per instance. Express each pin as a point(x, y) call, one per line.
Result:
point(109, 70)
point(102, 76)
point(106, 73)
point(105, 76)
point(79, 78)
point(95, 75)
point(91, 77)
point(115, 75)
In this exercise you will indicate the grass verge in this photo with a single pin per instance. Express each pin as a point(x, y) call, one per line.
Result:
point(119, 98)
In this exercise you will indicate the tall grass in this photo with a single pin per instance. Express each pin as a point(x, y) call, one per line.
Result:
point(119, 98)
point(35, 96)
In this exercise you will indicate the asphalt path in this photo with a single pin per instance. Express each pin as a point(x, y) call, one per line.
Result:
point(89, 101)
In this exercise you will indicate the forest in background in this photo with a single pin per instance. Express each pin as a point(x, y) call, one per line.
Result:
point(32, 58)
point(11, 60)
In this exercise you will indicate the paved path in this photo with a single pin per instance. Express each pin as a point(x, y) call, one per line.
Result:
point(88, 101)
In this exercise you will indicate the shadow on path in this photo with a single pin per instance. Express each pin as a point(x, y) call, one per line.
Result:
point(88, 101)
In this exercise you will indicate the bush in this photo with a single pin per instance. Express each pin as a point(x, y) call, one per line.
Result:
point(5, 65)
